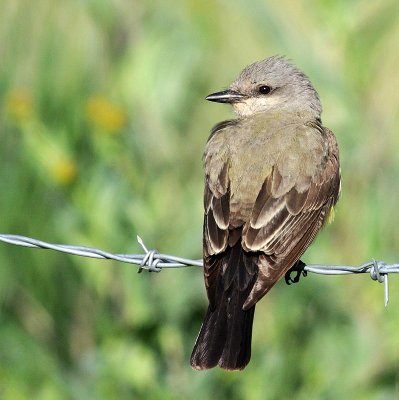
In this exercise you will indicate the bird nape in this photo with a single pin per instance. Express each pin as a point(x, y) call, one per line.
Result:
point(271, 178)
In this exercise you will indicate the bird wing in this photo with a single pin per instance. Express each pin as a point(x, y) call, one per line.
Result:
point(283, 224)
point(286, 215)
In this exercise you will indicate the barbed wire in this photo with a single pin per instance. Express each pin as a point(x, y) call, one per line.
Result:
point(153, 261)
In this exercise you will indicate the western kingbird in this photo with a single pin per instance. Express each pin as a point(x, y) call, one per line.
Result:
point(272, 178)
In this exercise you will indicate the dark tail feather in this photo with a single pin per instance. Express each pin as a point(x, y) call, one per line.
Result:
point(224, 342)
point(226, 333)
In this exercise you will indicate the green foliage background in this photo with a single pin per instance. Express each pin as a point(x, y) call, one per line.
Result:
point(102, 128)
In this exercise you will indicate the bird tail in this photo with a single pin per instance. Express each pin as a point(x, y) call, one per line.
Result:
point(226, 333)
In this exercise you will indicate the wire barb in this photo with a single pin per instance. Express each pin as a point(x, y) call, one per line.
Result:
point(149, 259)
point(376, 275)
point(153, 261)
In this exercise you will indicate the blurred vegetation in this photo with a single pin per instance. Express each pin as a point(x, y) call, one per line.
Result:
point(102, 128)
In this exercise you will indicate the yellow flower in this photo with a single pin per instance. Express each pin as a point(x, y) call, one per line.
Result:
point(19, 105)
point(64, 171)
point(104, 114)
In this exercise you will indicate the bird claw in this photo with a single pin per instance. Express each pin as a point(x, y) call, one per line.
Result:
point(299, 269)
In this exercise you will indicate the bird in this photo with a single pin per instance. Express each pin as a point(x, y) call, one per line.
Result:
point(272, 179)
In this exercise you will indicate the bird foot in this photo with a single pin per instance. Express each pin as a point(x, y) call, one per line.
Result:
point(299, 269)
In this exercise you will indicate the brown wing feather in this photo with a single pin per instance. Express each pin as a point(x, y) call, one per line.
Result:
point(270, 268)
point(283, 227)
point(216, 233)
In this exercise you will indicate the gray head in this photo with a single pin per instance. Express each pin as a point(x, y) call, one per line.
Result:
point(270, 85)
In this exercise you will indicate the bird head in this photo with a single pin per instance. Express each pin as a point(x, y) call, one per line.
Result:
point(270, 85)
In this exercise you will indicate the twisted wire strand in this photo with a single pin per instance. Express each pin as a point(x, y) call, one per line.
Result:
point(153, 261)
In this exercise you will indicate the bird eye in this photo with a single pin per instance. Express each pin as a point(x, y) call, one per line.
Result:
point(264, 89)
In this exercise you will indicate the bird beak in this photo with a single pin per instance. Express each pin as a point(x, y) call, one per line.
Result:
point(226, 96)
